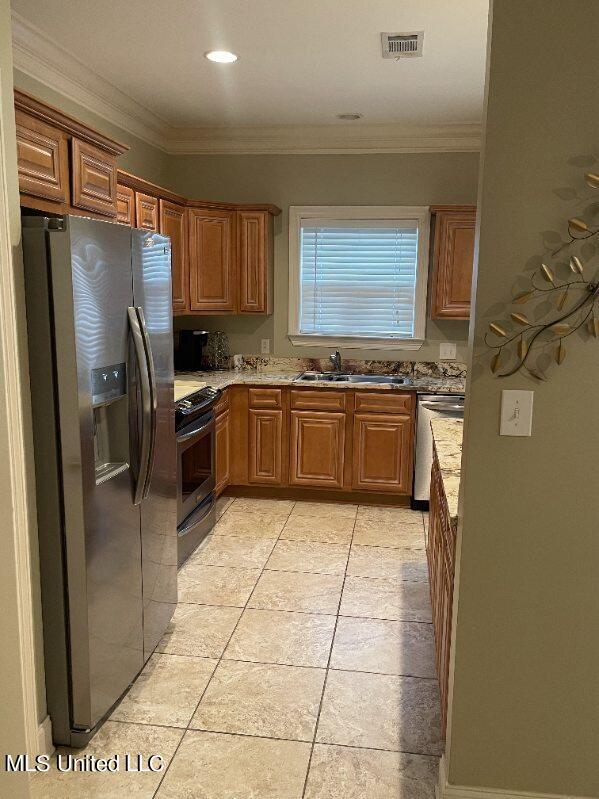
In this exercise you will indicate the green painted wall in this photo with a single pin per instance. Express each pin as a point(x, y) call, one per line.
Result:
point(142, 159)
point(526, 682)
point(403, 179)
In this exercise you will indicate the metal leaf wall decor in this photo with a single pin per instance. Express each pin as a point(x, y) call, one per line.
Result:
point(571, 300)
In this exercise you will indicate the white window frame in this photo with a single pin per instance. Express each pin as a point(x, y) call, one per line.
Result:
point(420, 214)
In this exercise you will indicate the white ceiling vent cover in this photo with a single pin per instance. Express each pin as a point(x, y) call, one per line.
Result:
point(402, 45)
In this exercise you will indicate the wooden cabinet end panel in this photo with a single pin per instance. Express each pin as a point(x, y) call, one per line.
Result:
point(93, 179)
point(317, 449)
point(382, 452)
point(222, 447)
point(43, 159)
point(453, 261)
point(265, 446)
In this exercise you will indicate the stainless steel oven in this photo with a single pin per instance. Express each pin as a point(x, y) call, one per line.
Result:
point(194, 423)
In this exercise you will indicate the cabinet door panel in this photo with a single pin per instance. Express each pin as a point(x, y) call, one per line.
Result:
point(382, 453)
point(222, 445)
point(453, 264)
point(43, 159)
point(125, 205)
point(253, 249)
point(173, 223)
point(265, 446)
point(94, 179)
point(146, 211)
point(212, 260)
point(317, 449)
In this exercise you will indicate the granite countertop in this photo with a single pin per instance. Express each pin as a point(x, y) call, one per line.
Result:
point(447, 433)
point(186, 383)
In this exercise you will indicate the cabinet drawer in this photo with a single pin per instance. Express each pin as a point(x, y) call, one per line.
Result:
point(94, 179)
point(222, 404)
point(265, 397)
point(319, 400)
point(384, 402)
point(42, 154)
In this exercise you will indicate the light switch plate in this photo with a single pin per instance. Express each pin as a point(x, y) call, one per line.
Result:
point(265, 346)
point(447, 351)
point(516, 413)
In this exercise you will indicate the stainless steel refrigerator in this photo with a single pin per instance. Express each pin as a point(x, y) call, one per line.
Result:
point(99, 324)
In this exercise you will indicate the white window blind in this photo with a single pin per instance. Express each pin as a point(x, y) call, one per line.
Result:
point(358, 277)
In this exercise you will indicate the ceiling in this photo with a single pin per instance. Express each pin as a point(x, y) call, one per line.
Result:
point(301, 62)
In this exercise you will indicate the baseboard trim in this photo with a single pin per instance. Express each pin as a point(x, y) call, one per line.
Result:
point(44, 737)
point(317, 495)
point(444, 790)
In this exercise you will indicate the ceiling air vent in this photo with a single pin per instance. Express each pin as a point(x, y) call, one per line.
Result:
point(402, 45)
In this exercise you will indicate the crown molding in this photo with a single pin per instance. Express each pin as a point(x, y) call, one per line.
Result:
point(35, 54)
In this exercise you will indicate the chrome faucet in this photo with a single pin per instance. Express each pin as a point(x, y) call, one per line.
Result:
point(335, 359)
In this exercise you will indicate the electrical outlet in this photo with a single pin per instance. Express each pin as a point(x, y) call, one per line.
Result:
point(447, 351)
point(265, 346)
point(516, 413)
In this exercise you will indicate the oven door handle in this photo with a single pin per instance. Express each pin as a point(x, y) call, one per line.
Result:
point(207, 424)
point(145, 453)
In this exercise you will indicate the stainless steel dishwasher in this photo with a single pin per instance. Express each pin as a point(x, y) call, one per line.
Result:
point(429, 406)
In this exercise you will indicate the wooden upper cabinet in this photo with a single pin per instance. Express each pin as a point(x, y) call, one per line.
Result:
point(317, 449)
point(265, 450)
point(254, 248)
point(453, 258)
point(212, 260)
point(94, 178)
point(43, 159)
point(146, 212)
point(173, 223)
point(382, 452)
point(125, 205)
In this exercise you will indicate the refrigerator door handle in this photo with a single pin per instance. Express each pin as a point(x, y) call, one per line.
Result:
point(153, 394)
point(142, 484)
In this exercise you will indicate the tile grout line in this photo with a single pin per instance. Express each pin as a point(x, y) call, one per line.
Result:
point(219, 660)
point(326, 676)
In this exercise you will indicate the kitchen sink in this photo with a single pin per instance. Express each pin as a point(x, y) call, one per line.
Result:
point(336, 377)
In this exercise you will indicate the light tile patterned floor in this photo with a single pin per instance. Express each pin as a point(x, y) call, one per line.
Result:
point(299, 664)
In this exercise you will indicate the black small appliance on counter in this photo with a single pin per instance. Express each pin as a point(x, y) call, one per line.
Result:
point(188, 355)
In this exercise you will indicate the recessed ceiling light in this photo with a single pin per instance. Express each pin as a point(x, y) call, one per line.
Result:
point(221, 56)
point(349, 117)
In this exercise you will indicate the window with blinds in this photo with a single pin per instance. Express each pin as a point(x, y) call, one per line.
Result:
point(358, 277)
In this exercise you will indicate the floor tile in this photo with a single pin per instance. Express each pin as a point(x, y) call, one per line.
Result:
point(310, 593)
point(309, 556)
point(199, 630)
point(389, 514)
point(212, 766)
point(114, 738)
point(400, 564)
point(250, 525)
point(276, 507)
point(341, 772)
point(374, 533)
point(259, 699)
point(383, 646)
point(167, 691)
point(216, 585)
point(334, 530)
point(242, 553)
point(381, 712)
point(330, 510)
point(386, 599)
point(270, 636)
point(222, 505)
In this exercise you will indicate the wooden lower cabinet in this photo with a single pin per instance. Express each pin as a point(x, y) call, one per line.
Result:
point(222, 447)
point(265, 451)
point(440, 551)
point(382, 452)
point(317, 449)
